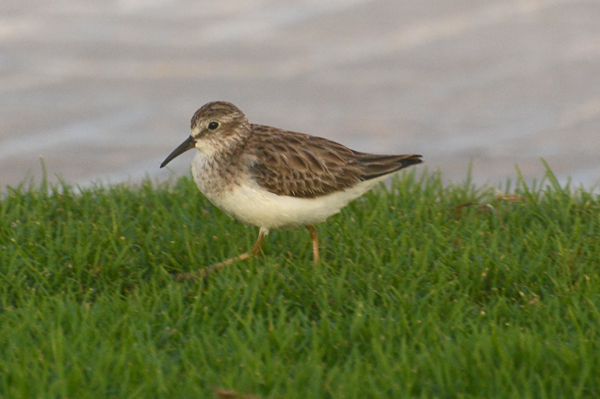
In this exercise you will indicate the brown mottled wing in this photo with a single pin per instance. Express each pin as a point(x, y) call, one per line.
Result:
point(304, 166)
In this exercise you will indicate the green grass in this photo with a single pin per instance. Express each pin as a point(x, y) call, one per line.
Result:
point(425, 290)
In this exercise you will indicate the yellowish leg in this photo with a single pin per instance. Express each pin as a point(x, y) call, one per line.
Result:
point(314, 235)
point(255, 251)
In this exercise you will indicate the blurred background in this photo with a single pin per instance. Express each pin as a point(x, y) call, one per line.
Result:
point(104, 90)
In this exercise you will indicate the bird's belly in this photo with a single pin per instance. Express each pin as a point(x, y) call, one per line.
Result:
point(251, 204)
point(242, 198)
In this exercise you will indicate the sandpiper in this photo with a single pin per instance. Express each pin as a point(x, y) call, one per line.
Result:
point(276, 179)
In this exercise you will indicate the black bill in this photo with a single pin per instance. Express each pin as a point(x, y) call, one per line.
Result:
point(188, 144)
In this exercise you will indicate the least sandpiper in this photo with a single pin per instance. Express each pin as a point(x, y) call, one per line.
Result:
point(277, 179)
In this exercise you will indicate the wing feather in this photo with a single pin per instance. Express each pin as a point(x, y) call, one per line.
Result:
point(304, 166)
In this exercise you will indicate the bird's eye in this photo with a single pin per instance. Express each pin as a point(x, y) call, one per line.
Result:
point(213, 125)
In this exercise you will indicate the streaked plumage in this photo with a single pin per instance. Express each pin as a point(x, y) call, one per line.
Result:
point(273, 178)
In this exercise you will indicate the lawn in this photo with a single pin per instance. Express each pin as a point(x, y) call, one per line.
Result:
point(424, 290)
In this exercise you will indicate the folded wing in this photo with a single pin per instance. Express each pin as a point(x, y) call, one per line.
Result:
point(304, 166)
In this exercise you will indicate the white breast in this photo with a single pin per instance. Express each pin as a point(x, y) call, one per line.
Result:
point(249, 203)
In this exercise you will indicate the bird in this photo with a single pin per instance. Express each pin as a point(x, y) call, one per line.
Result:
point(274, 178)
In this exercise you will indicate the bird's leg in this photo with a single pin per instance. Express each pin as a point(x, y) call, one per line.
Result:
point(314, 235)
point(255, 251)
